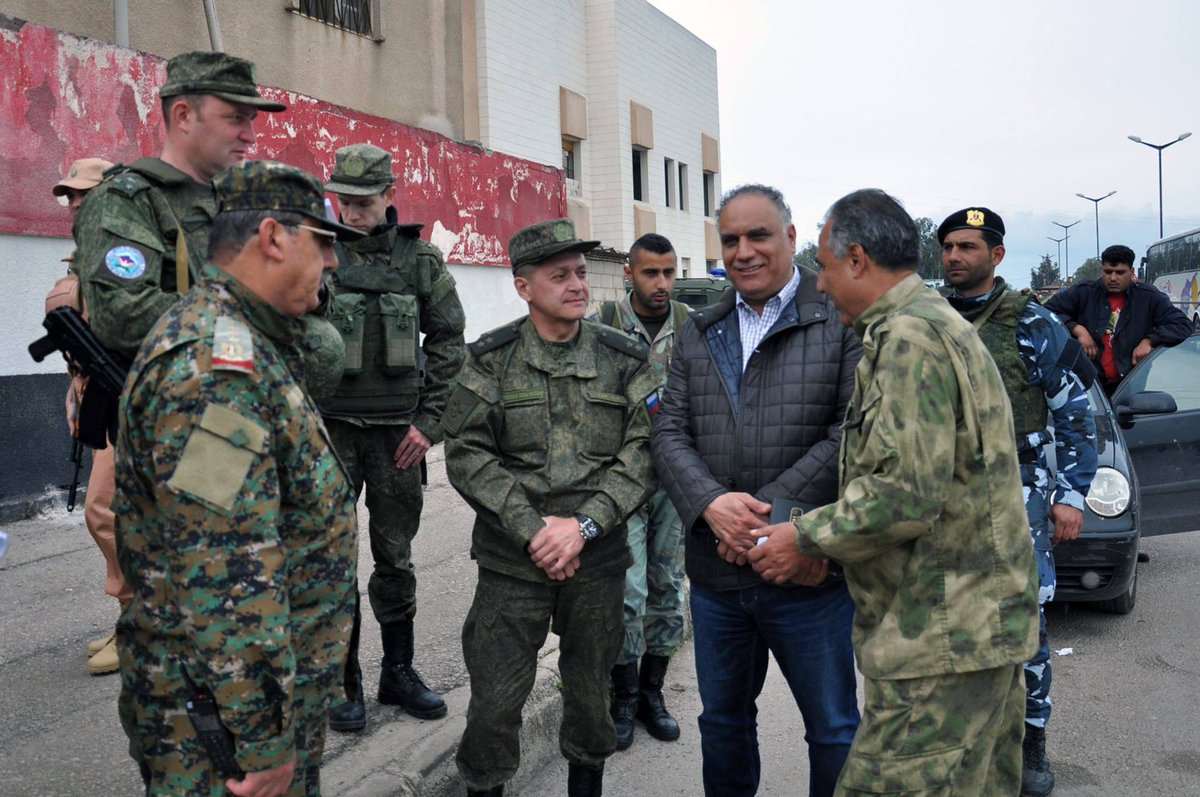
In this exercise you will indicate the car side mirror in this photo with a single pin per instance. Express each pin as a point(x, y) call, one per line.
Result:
point(1150, 402)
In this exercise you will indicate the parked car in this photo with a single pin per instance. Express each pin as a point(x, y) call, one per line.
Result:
point(1147, 481)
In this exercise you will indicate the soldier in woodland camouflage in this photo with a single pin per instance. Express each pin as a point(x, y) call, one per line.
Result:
point(654, 582)
point(930, 527)
point(236, 524)
point(1038, 360)
point(547, 438)
point(397, 309)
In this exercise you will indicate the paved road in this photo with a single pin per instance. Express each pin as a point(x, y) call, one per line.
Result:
point(1124, 724)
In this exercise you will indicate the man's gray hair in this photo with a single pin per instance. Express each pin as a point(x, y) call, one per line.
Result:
point(232, 229)
point(878, 223)
point(758, 189)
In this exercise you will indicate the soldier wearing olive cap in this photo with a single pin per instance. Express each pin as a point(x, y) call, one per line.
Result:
point(395, 304)
point(547, 438)
point(236, 520)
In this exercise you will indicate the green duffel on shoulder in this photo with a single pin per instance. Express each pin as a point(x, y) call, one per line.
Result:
point(401, 333)
point(348, 312)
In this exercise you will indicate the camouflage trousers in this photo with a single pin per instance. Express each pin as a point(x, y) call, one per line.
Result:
point(654, 582)
point(394, 501)
point(1035, 481)
point(940, 736)
point(504, 630)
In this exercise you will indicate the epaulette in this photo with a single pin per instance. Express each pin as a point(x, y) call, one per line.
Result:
point(125, 181)
point(493, 340)
point(233, 346)
point(615, 339)
point(411, 230)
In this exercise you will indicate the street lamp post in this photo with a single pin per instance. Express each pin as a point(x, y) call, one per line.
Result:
point(1097, 201)
point(1067, 245)
point(1160, 148)
point(1059, 258)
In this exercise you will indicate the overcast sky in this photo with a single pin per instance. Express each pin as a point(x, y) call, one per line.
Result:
point(1015, 106)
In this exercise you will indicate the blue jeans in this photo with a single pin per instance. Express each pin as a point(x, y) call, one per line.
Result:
point(809, 634)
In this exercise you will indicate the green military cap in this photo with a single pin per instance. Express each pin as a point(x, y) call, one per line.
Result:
point(543, 240)
point(218, 74)
point(269, 185)
point(361, 170)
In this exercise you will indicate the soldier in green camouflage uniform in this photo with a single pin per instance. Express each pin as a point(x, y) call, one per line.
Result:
point(390, 289)
point(930, 529)
point(235, 519)
point(547, 438)
point(654, 620)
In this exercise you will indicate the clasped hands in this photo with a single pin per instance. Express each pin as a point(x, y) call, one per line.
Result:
point(739, 522)
point(556, 546)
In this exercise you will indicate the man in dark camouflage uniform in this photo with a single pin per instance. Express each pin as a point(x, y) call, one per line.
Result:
point(391, 288)
point(547, 438)
point(929, 527)
point(235, 519)
point(1038, 360)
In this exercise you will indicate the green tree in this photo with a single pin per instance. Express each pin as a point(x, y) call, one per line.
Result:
point(806, 256)
point(1045, 274)
point(1090, 270)
point(930, 263)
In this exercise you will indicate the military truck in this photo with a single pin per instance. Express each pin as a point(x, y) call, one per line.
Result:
point(697, 292)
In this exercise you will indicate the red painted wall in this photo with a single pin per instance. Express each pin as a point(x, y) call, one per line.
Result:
point(62, 98)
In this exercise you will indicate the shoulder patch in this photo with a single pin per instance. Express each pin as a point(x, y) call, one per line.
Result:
point(498, 337)
point(233, 347)
point(615, 339)
point(125, 262)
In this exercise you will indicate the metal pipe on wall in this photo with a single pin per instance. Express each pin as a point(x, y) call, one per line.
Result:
point(121, 22)
point(214, 26)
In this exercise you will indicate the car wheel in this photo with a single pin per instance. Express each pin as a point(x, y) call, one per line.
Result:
point(1122, 604)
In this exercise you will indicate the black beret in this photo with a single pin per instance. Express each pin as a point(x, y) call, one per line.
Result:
point(971, 219)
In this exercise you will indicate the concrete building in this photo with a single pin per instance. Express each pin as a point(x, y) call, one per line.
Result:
point(499, 113)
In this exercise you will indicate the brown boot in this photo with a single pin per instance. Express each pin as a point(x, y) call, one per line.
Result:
point(96, 645)
point(105, 660)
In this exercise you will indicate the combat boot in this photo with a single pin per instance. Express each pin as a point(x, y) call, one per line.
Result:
point(351, 715)
point(399, 684)
point(1036, 778)
point(624, 702)
point(105, 660)
point(585, 781)
point(96, 645)
point(652, 710)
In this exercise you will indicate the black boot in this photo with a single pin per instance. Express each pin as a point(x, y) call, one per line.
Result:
point(624, 702)
point(651, 708)
point(1036, 778)
point(585, 781)
point(351, 715)
point(495, 791)
point(399, 684)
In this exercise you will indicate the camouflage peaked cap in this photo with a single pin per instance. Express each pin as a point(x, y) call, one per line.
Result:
point(218, 74)
point(361, 170)
point(543, 240)
point(269, 185)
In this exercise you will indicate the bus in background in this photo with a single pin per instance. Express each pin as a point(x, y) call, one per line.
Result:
point(1173, 266)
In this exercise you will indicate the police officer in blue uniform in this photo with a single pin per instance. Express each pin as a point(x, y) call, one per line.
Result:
point(1045, 373)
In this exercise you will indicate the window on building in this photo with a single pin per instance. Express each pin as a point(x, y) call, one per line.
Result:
point(669, 182)
point(710, 194)
point(568, 147)
point(685, 267)
point(640, 176)
point(356, 16)
point(683, 187)
point(709, 265)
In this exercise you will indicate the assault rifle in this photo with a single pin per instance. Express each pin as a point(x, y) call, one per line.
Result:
point(66, 331)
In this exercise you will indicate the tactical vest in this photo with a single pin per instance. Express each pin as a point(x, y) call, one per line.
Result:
point(996, 323)
point(376, 308)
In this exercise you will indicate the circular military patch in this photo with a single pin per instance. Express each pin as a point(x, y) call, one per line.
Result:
point(126, 262)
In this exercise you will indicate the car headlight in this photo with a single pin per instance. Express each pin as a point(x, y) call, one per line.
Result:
point(1109, 494)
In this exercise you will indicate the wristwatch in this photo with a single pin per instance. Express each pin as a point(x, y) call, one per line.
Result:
point(588, 528)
